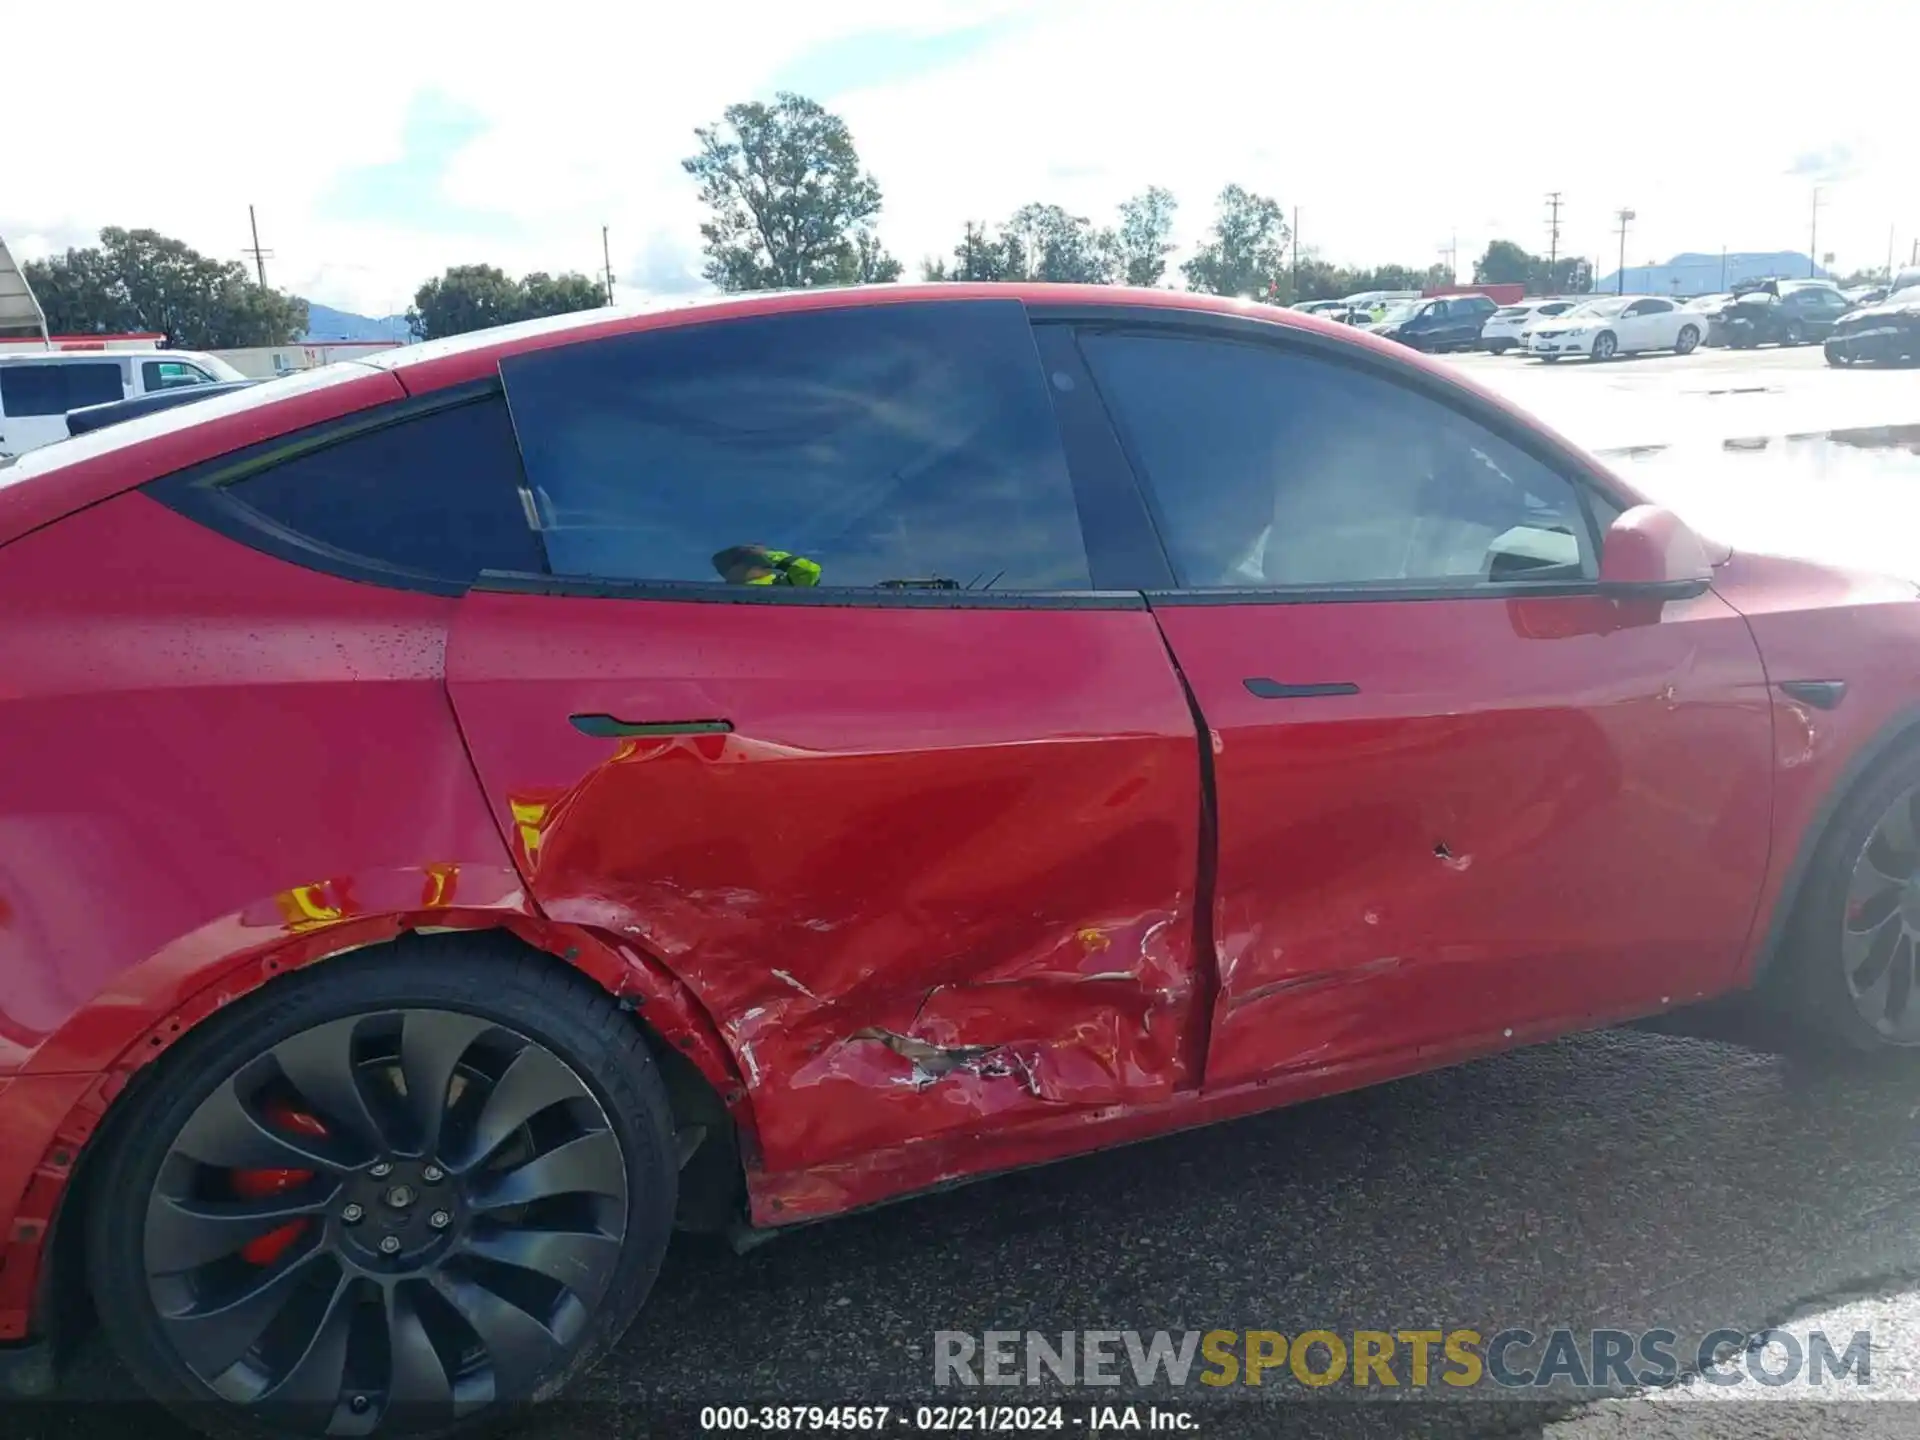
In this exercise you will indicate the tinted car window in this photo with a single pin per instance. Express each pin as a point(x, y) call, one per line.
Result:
point(891, 445)
point(55, 389)
point(437, 495)
point(171, 374)
point(1269, 468)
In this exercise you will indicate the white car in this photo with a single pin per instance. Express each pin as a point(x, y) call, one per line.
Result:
point(39, 387)
point(1506, 329)
point(1619, 325)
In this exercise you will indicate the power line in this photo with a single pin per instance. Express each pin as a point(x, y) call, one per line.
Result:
point(260, 257)
point(1623, 215)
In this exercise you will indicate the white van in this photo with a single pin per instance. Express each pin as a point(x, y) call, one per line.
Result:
point(39, 387)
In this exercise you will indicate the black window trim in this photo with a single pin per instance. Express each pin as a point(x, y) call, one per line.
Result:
point(200, 492)
point(1582, 474)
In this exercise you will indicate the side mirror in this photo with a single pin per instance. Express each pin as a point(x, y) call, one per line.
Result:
point(1650, 554)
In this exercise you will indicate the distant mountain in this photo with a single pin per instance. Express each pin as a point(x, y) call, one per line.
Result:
point(1697, 274)
point(326, 323)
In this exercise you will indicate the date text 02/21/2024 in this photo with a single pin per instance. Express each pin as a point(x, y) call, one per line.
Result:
point(945, 1419)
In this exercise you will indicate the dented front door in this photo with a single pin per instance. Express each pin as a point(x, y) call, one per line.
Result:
point(929, 870)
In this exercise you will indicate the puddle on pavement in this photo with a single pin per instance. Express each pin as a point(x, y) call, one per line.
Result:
point(1848, 497)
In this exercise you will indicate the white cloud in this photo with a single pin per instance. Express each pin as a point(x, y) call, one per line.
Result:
point(1390, 125)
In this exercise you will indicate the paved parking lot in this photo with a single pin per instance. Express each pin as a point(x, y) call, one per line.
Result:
point(1624, 1180)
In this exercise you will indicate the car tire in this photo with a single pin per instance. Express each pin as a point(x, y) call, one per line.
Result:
point(1838, 358)
point(1793, 335)
point(1688, 341)
point(1605, 346)
point(1849, 973)
point(379, 1313)
point(1500, 347)
point(1550, 359)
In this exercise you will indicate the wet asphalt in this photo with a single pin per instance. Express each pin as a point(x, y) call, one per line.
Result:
point(1624, 1180)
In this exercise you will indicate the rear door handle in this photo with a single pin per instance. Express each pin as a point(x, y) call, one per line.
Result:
point(1264, 689)
point(608, 727)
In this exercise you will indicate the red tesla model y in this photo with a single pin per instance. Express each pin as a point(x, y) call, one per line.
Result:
point(465, 814)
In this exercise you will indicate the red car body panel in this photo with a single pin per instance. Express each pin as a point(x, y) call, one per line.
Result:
point(1528, 811)
point(949, 897)
point(938, 877)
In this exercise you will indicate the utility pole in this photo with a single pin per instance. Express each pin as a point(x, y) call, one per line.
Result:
point(259, 256)
point(1296, 254)
point(1813, 238)
point(606, 259)
point(1553, 241)
point(1452, 251)
point(1620, 280)
point(1890, 255)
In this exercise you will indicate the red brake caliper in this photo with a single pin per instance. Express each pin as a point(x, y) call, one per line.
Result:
point(259, 1184)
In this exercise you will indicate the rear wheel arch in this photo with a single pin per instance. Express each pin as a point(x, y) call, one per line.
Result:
point(708, 1099)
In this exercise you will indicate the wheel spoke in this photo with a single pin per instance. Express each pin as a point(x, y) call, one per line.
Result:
point(1900, 980)
point(183, 1235)
point(431, 1045)
point(591, 1164)
point(531, 1083)
point(211, 1340)
point(319, 1064)
point(1873, 978)
point(224, 1132)
point(419, 1376)
point(314, 1380)
point(1865, 952)
point(519, 1346)
point(578, 1259)
point(1896, 827)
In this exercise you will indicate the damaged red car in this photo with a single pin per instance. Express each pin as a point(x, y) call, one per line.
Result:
point(467, 813)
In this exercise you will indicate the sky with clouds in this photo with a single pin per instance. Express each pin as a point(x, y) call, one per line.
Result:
point(382, 142)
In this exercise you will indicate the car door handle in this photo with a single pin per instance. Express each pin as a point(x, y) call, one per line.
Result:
point(608, 727)
point(1264, 689)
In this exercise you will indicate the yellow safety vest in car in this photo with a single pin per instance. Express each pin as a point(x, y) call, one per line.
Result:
point(757, 565)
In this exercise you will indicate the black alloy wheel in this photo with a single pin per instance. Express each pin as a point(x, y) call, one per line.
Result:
point(401, 1219)
point(1880, 931)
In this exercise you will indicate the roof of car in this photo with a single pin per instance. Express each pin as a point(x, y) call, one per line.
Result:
point(41, 357)
point(55, 479)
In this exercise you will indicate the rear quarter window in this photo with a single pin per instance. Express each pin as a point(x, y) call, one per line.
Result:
point(425, 501)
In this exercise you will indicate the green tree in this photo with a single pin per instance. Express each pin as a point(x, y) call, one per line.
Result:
point(1144, 237)
point(866, 262)
point(542, 294)
point(789, 202)
point(1246, 251)
point(1568, 275)
point(143, 280)
point(1319, 279)
point(1060, 247)
point(1505, 263)
point(980, 256)
point(473, 297)
point(466, 297)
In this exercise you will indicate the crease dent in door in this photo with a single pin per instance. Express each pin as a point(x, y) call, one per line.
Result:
point(1060, 1000)
point(907, 925)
